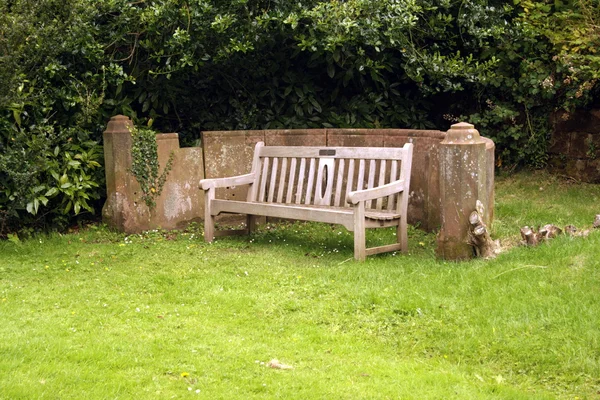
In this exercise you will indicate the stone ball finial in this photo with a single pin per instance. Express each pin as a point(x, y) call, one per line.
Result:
point(462, 133)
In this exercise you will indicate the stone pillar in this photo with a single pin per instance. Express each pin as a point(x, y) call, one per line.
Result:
point(463, 181)
point(119, 210)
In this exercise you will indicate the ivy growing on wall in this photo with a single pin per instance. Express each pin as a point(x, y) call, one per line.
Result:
point(145, 166)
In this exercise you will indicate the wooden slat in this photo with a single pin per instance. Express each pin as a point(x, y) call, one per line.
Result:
point(324, 182)
point(331, 215)
point(318, 184)
point(360, 182)
point(376, 192)
point(330, 164)
point(349, 180)
point(300, 180)
point(263, 179)
point(383, 249)
point(369, 153)
point(253, 191)
point(393, 175)
point(273, 180)
point(311, 181)
point(340, 181)
point(381, 182)
point(282, 180)
point(290, 189)
point(371, 181)
point(205, 184)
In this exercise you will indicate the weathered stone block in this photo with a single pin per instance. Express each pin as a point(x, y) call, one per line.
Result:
point(355, 137)
point(296, 137)
point(424, 202)
point(229, 153)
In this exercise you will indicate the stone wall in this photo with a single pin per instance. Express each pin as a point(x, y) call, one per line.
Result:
point(574, 148)
point(467, 171)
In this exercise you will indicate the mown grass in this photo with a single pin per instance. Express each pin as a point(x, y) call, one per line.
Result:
point(95, 314)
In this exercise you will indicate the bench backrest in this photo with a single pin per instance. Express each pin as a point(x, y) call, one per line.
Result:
point(325, 175)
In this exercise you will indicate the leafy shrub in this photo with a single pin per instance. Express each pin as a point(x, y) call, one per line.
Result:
point(66, 67)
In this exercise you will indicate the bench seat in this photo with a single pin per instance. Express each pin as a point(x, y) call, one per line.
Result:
point(332, 215)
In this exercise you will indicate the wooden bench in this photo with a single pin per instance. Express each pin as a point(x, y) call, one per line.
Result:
point(357, 187)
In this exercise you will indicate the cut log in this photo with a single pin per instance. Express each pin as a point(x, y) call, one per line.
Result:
point(574, 232)
point(533, 237)
point(479, 237)
point(571, 230)
point(549, 231)
point(530, 237)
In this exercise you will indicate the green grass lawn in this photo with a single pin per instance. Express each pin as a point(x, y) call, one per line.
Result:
point(98, 315)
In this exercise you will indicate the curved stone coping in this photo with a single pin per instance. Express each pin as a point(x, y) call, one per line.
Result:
point(167, 136)
point(267, 131)
point(489, 143)
point(388, 132)
point(413, 133)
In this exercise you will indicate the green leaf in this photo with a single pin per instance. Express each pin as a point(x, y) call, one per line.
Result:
point(39, 188)
point(17, 117)
point(30, 207)
point(43, 200)
point(56, 151)
point(66, 185)
point(74, 163)
point(63, 179)
point(315, 103)
point(336, 55)
point(77, 207)
point(331, 70)
point(51, 192)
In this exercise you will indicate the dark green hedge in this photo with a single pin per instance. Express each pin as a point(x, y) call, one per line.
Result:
point(191, 65)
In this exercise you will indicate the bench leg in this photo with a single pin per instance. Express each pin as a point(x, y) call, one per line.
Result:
point(251, 223)
point(402, 234)
point(360, 241)
point(209, 220)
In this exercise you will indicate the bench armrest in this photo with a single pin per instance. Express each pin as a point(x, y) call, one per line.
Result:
point(376, 192)
point(206, 184)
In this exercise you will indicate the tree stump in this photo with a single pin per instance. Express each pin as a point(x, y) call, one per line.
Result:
point(530, 237)
point(533, 237)
point(479, 237)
